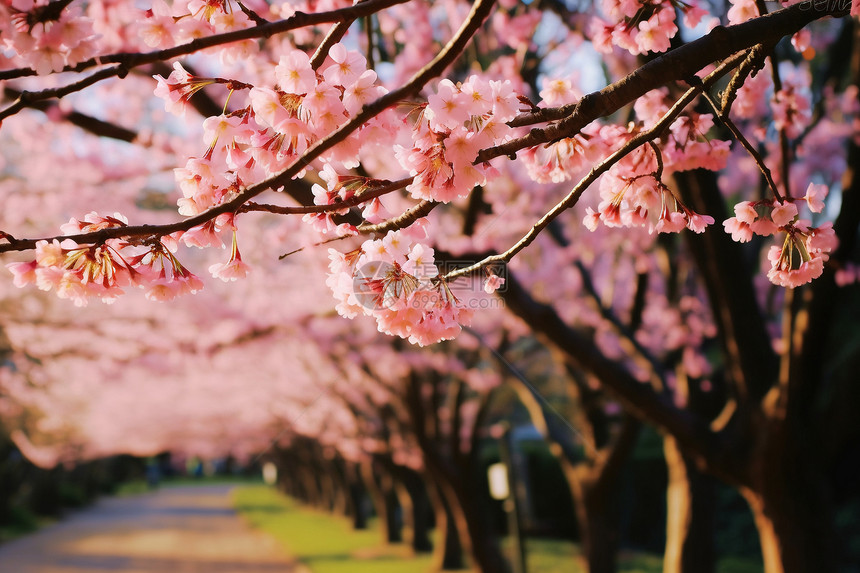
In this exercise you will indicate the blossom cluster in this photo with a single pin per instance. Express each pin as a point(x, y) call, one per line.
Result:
point(633, 194)
point(277, 126)
point(395, 280)
point(567, 158)
point(340, 188)
point(102, 270)
point(641, 26)
point(644, 201)
point(458, 121)
point(166, 25)
point(47, 36)
point(804, 249)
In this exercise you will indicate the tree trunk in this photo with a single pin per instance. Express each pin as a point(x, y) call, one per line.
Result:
point(342, 501)
point(689, 515)
point(790, 499)
point(485, 548)
point(384, 499)
point(328, 488)
point(791, 537)
point(393, 521)
point(596, 518)
point(358, 501)
point(415, 503)
point(448, 554)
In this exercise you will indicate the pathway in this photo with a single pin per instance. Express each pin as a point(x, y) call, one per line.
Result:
point(190, 529)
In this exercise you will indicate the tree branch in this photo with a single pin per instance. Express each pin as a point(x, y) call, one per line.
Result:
point(572, 198)
point(480, 10)
point(680, 64)
point(403, 220)
point(297, 20)
point(86, 122)
point(636, 397)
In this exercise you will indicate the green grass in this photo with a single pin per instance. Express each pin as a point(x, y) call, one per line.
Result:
point(328, 544)
point(324, 542)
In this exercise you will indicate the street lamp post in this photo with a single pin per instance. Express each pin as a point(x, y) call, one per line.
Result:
point(503, 487)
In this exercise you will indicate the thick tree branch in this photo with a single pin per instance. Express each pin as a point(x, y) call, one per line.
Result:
point(680, 64)
point(641, 138)
point(636, 397)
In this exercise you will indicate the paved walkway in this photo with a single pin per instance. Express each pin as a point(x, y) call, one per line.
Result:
point(173, 530)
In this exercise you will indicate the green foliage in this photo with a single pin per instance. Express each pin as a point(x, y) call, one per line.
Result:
point(18, 521)
point(138, 486)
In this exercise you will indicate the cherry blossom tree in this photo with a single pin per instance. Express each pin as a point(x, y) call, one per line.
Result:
point(663, 192)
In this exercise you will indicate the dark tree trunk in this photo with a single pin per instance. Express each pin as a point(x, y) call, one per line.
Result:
point(790, 499)
point(448, 554)
point(357, 504)
point(689, 515)
point(343, 500)
point(597, 521)
point(381, 490)
point(393, 519)
point(417, 511)
point(358, 500)
point(791, 532)
point(482, 536)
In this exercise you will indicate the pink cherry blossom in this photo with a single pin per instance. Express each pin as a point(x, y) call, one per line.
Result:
point(234, 268)
point(347, 66)
point(783, 213)
point(445, 109)
point(815, 195)
point(294, 73)
point(493, 283)
point(363, 90)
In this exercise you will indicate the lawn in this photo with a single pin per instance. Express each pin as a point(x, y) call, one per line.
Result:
point(328, 544)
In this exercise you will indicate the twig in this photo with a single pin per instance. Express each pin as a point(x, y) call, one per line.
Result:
point(86, 122)
point(368, 25)
point(750, 66)
point(353, 201)
point(319, 244)
point(785, 149)
point(759, 160)
point(27, 99)
point(253, 16)
point(402, 221)
point(635, 350)
point(337, 32)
